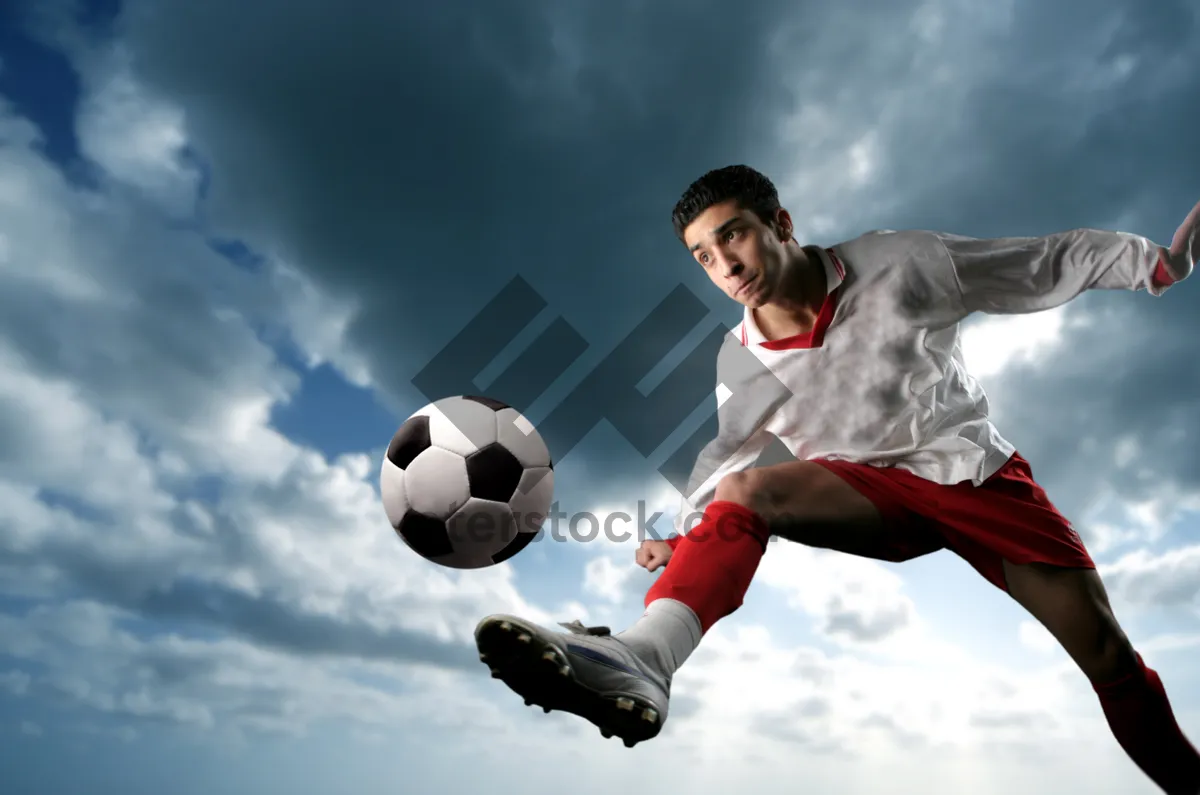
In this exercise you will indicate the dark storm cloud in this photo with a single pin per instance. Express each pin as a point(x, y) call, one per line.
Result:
point(1130, 373)
point(427, 154)
point(1086, 114)
point(416, 157)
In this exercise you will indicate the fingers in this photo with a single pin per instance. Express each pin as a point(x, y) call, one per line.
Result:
point(652, 555)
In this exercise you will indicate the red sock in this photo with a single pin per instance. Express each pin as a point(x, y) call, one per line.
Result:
point(1141, 719)
point(712, 566)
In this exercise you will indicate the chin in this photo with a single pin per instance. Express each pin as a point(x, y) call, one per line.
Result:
point(760, 299)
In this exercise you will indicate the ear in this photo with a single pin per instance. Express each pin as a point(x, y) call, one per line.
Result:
point(783, 225)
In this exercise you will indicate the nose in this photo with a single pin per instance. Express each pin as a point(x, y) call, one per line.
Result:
point(729, 266)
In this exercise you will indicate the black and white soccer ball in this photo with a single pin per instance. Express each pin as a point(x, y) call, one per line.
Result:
point(467, 482)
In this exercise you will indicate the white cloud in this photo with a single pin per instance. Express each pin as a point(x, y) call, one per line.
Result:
point(852, 600)
point(1112, 525)
point(1035, 636)
point(152, 379)
point(32, 253)
point(606, 579)
point(617, 524)
point(138, 140)
point(59, 442)
point(799, 708)
point(318, 322)
point(225, 684)
point(991, 344)
point(1144, 578)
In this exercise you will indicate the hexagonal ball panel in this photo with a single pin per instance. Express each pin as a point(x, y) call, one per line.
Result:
point(427, 536)
point(460, 425)
point(520, 438)
point(436, 483)
point(409, 441)
point(493, 473)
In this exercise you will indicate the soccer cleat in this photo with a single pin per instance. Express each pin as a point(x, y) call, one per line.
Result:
point(586, 672)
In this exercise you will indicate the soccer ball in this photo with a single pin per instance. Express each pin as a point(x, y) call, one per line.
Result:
point(467, 482)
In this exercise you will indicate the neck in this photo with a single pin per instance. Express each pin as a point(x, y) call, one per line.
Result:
point(801, 293)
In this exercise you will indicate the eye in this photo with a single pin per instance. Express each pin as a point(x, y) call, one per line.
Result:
point(732, 234)
point(704, 258)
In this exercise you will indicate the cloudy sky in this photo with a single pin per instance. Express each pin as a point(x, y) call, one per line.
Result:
point(232, 233)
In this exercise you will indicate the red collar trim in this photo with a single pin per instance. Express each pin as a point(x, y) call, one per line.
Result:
point(815, 337)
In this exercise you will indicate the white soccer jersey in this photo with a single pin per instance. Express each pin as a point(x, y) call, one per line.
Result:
point(881, 380)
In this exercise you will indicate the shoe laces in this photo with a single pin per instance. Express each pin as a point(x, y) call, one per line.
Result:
point(578, 628)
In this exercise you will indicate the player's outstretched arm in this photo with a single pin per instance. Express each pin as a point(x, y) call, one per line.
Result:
point(1017, 275)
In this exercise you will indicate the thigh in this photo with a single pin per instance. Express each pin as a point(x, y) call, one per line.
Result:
point(822, 506)
point(1007, 520)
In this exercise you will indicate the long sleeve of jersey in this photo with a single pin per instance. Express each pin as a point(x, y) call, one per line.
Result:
point(748, 396)
point(1017, 275)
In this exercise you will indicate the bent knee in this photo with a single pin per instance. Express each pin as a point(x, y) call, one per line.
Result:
point(767, 490)
point(1111, 658)
point(739, 487)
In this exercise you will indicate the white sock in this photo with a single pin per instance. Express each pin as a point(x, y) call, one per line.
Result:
point(668, 630)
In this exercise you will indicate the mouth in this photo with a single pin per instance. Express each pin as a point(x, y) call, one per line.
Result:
point(745, 287)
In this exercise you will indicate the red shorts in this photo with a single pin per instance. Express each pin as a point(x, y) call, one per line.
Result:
point(1007, 517)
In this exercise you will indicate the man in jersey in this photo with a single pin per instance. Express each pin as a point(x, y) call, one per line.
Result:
point(850, 356)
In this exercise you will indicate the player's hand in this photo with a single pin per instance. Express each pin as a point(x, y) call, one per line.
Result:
point(652, 555)
point(1185, 246)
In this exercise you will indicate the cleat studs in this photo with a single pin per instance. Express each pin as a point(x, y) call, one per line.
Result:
point(630, 743)
point(605, 734)
point(625, 704)
point(564, 670)
point(546, 710)
point(529, 702)
point(524, 637)
point(504, 625)
point(495, 673)
point(483, 658)
point(549, 654)
point(649, 715)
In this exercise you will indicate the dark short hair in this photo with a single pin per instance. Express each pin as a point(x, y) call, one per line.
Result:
point(748, 187)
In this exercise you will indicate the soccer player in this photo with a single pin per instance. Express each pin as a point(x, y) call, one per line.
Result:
point(850, 356)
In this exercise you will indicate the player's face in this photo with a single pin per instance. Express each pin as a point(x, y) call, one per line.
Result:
point(742, 255)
